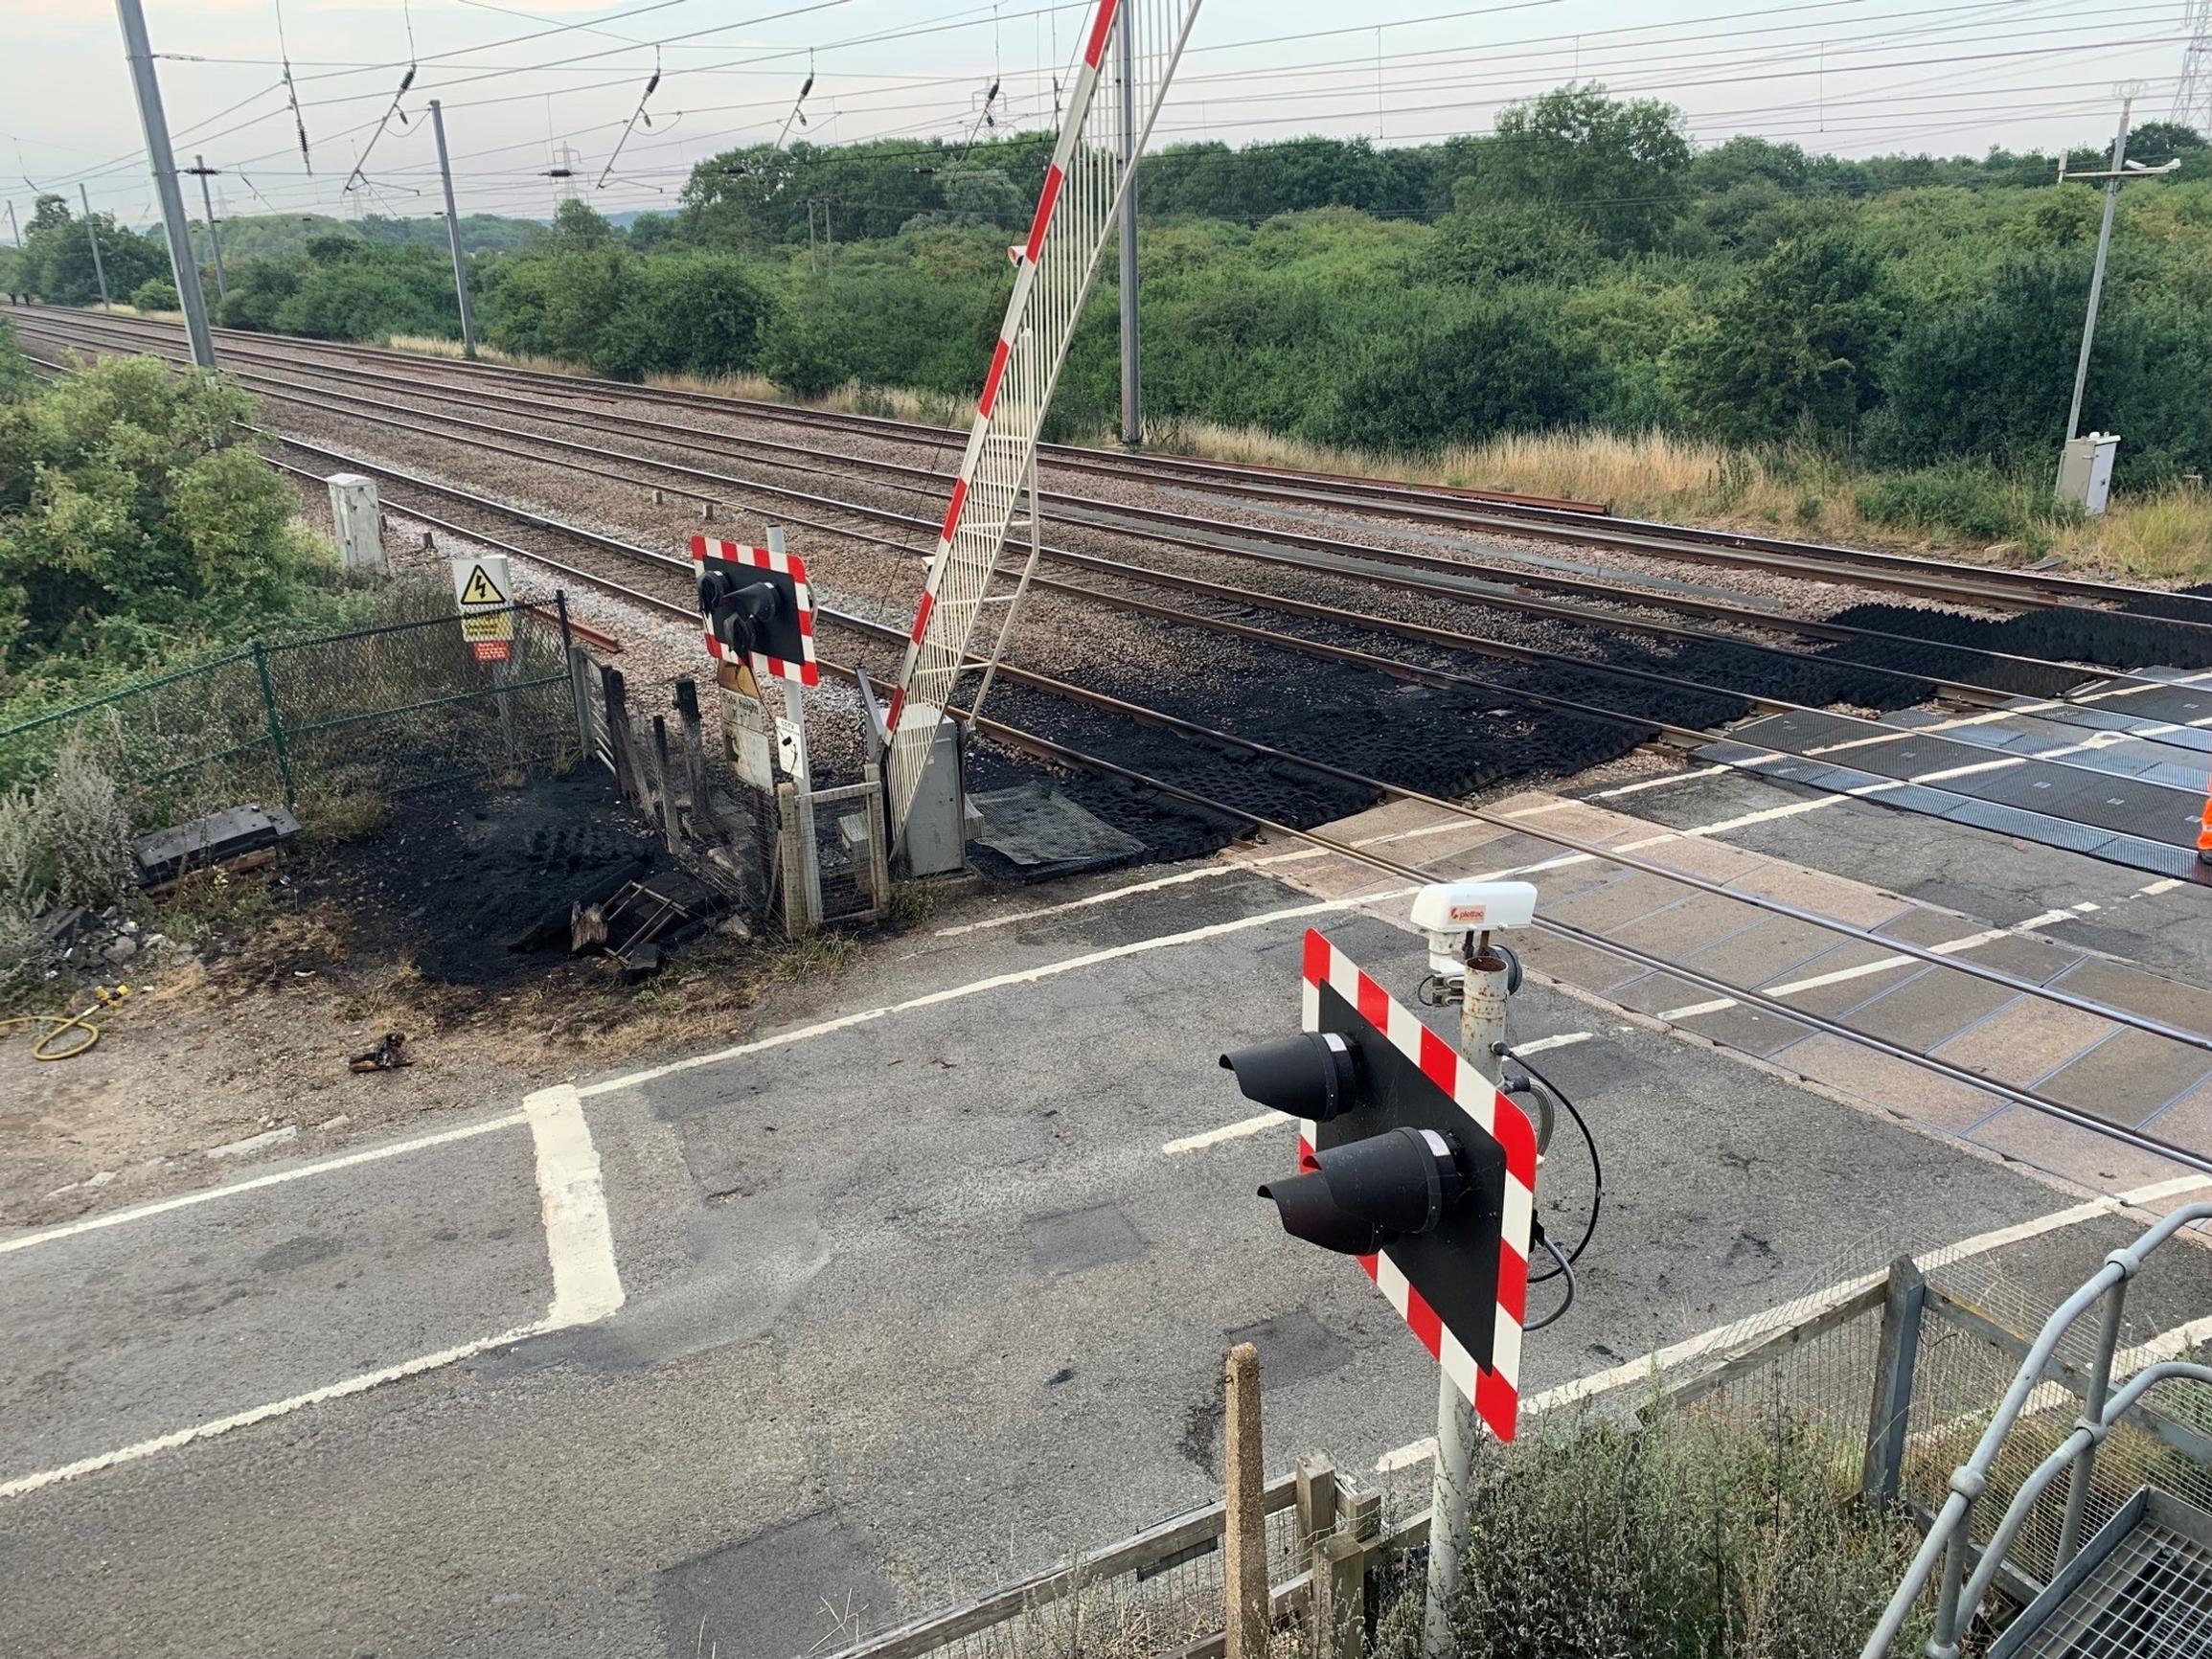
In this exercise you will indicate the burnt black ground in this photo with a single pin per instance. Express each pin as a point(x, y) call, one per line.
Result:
point(455, 876)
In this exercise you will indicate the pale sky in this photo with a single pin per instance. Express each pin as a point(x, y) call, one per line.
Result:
point(520, 81)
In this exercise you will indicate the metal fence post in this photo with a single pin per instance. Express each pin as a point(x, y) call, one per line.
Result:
point(1894, 1359)
point(275, 722)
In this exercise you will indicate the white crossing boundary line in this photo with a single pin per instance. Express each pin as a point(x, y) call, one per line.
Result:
point(587, 1283)
point(274, 1177)
point(1544, 1045)
point(1236, 1131)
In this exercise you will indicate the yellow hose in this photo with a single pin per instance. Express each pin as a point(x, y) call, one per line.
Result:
point(43, 1049)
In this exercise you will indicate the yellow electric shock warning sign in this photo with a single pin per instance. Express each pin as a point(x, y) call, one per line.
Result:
point(479, 587)
point(481, 593)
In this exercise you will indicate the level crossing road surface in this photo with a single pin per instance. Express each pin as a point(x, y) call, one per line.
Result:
point(923, 1287)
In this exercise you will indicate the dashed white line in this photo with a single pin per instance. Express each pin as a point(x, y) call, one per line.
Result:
point(1541, 1045)
point(1236, 1131)
point(1880, 964)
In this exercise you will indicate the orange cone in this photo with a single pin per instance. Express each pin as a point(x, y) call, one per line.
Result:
point(2204, 829)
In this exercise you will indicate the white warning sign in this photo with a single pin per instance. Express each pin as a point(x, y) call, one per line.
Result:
point(484, 598)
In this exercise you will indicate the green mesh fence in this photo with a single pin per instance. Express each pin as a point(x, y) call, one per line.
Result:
point(380, 710)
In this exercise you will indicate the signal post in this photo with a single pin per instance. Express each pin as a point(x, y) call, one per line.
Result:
point(1413, 1161)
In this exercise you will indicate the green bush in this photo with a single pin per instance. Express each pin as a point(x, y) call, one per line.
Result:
point(16, 381)
point(803, 352)
point(1961, 498)
point(154, 294)
point(682, 313)
point(1460, 372)
point(132, 511)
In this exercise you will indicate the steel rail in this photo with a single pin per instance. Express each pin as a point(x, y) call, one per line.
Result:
point(1968, 691)
point(1940, 579)
point(1048, 749)
point(2081, 591)
point(1588, 849)
point(1683, 737)
point(1747, 616)
point(930, 481)
point(1680, 737)
point(1481, 645)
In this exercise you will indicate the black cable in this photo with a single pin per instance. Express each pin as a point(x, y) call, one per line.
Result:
point(1597, 1169)
point(1565, 1266)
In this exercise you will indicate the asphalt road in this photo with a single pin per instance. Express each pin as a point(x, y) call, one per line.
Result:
point(912, 1299)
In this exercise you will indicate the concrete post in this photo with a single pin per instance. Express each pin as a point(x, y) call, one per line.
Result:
point(92, 237)
point(358, 525)
point(1245, 1541)
point(453, 233)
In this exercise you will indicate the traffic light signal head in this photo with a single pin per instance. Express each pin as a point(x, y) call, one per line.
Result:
point(1364, 1195)
point(737, 614)
point(1411, 1161)
point(756, 607)
point(1314, 1075)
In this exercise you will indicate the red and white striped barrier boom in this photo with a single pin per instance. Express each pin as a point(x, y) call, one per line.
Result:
point(1075, 220)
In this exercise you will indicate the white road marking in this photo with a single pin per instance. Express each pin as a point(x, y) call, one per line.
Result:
point(1638, 788)
point(274, 1177)
point(586, 1285)
point(1235, 1131)
point(995, 982)
point(353, 1385)
point(2155, 888)
point(1880, 964)
point(578, 1240)
point(1202, 874)
point(1565, 1039)
point(1751, 1327)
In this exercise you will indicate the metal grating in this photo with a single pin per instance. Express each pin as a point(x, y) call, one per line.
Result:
point(2150, 1599)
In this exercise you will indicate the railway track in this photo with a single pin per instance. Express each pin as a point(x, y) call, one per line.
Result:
point(1426, 575)
point(1651, 696)
point(1207, 740)
point(1582, 524)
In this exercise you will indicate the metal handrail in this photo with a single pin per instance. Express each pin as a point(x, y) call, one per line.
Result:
point(1949, 1533)
point(2086, 1434)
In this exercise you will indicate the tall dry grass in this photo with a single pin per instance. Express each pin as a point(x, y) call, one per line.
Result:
point(2162, 538)
point(2163, 535)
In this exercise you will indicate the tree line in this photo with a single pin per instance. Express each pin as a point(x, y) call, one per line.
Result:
point(1583, 266)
